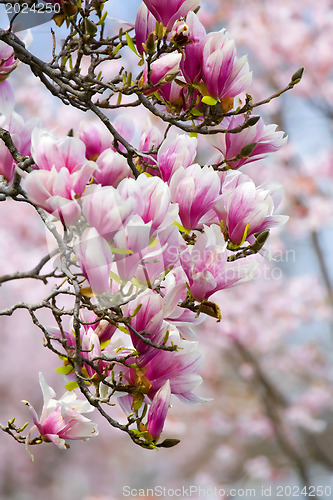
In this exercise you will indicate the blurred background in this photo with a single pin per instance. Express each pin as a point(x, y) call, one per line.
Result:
point(269, 362)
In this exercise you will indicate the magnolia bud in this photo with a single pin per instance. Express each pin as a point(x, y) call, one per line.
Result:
point(297, 75)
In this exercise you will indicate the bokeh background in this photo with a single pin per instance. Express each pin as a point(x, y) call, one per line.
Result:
point(268, 365)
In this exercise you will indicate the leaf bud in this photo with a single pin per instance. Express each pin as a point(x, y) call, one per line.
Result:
point(168, 443)
point(252, 121)
point(297, 76)
point(90, 27)
point(150, 44)
point(247, 150)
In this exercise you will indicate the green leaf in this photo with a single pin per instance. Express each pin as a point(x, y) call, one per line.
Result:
point(90, 27)
point(64, 370)
point(247, 150)
point(137, 309)
point(210, 101)
point(71, 385)
point(196, 112)
point(121, 251)
point(102, 19)
point(115, 277)
point(131, 44)
point(168, 443)
point(116, 50)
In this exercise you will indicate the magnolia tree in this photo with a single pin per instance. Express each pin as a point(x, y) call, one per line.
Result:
point(145, 225)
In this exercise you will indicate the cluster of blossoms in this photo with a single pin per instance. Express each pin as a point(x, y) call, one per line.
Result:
point(148, 243)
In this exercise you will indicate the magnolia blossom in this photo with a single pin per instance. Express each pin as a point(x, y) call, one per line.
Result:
point(106, 210)
point(191, 64)
point(268, 140)
point(63, 174)
point(248, 209)
point(196, 190)
point(161, 255)
point(180, 367)
point(176, 152)
point(158, 411)
point(128, 244)
point(55, 191)
point(173, 94)
point(21, 135)
point(206, 265)
point(50, 152)
point(145, 24)
point(95, 137)
point(112, 168)
point(223, 73)
point(94, 257)
point(163, 68)
point(168, 12)
point(151, 138)
point(7, 60)
point(153, 200)
point(61, 419)
point(148, 321)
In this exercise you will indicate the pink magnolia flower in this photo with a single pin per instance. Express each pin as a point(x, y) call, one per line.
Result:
point(175, 291)
point(176, 152)
point(168, 12)
point(223, 73)
point(50, 152)
point(158, 411)
point(7, 98)
point(54, 191)
point(230, 145)
point(62, 177)
point(112, 168)
point(161, 255)
point(161, 69)
point(173, 94)
point(151, 138)
point(153, 200)
point(145, 24)
point(128, 244)
point(148, 320)
point(106, 210)
point(191, 64)
point(7, 60)
point(247, 210)
point(206, 266)
point(180, 367)
point(21, 134)
point(61, 419)
point(94, 257)
point(95, 137)
point(196, 190)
